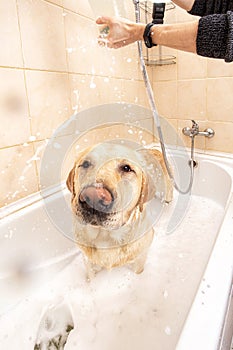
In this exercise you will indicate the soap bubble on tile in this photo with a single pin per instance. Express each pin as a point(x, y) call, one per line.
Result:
point(167, 330)
point(92, 85)
point(70, 50)
point(57, 145)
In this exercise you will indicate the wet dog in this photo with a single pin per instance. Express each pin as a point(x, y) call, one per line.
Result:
point(111, 185)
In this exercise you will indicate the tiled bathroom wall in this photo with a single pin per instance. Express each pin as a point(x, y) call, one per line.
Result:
point(51, 66)
point(196, 88)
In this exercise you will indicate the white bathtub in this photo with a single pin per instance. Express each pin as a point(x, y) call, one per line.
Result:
point(181, 296)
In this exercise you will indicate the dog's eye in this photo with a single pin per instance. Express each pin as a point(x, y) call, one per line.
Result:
point(125, 168)
point(86, 164)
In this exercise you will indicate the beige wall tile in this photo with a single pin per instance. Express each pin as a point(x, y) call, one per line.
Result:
point(141, 134)
point(192, 99)
point(17, 173)
point(143, 99)
point(110, 90)
point(170, 14)
point(219, 68)
point(95, 8)
point(190, 66)
point(165, 72)
point(130, 91)
point(82, 48)
point(85, 91)
point(126, 62)
point(223, 140)
point(42, 31)
point(14, 116)
point(49, 101)
point(81, 7)
point(166, 98)
point(10, 53)
point(169, 132)
point(85, 56)
point(184, 16)
point(219, 99)
point(56, 2)
point(54, 159)
point(109, 8)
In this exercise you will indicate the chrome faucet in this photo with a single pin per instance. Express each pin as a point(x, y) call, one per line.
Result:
point(194, 131)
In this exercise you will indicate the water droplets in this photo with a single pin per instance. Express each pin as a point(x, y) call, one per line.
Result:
point(168, 330)
point(92, 85)
point(70, 50)
point(56, 145)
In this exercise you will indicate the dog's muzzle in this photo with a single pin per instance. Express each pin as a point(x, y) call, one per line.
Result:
point(97, 198)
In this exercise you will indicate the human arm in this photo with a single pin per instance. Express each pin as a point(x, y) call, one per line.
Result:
point(210, 36)
point(181, 36)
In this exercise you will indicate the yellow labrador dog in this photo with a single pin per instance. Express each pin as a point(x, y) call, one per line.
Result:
point(110, 186)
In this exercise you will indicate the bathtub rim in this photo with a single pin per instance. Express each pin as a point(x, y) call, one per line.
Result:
point(210, 304)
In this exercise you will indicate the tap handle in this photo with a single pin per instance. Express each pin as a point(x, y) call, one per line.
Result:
point(195, 125)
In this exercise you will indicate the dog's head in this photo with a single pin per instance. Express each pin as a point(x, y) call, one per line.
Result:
point(109, 182)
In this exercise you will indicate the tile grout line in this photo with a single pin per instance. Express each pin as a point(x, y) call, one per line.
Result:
point(27, 96)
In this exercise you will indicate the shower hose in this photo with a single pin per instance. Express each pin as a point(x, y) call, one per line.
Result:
point(156, 115)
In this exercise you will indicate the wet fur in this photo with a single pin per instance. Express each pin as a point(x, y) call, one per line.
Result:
point(120, 230)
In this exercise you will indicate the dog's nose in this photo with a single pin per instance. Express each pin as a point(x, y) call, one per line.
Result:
point(99, 198)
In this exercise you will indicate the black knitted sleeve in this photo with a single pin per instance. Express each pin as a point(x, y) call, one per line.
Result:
point(215, 36)
point(208, 7)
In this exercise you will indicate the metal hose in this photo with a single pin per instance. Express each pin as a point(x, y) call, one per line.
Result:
point(156, 115)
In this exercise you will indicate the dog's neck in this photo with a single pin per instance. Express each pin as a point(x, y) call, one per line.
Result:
point(104, 237)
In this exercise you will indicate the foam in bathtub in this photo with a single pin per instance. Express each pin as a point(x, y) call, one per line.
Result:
point(55, 325)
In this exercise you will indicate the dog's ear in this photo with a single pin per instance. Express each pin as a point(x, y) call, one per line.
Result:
point(70, 180)
point(157, 178)
point(144, 193)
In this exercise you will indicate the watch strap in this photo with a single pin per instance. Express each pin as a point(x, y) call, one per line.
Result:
point(147, 36)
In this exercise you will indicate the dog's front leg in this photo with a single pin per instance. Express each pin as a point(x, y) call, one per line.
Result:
point(91, 268)
point(137, 265)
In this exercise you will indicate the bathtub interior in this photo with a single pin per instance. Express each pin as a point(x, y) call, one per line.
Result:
point(40, 267)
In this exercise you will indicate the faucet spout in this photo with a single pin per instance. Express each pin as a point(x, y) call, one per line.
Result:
point(207, 133)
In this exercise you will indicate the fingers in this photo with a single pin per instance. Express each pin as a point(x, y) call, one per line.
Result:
point(104, 42)
point(103, 20)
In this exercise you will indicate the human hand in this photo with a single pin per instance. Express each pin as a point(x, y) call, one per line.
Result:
point(119, 32)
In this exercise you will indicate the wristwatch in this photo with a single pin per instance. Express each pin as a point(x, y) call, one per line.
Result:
point(147, 35)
